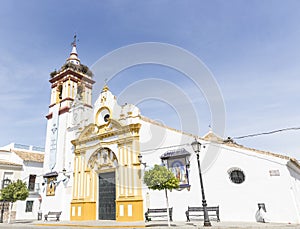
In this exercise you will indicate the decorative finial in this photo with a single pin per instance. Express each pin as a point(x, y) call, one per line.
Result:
point(105, 88)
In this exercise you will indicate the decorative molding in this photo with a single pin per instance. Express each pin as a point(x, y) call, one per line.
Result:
point(70, 72)
point(104, 158)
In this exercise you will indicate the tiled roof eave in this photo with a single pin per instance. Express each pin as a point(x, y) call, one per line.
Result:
point(235, 145)
point(29, 156)
point(8, 163)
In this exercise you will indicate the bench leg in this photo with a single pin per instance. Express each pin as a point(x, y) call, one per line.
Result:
point(45, 218)
point(187, 216)
point(146, 217)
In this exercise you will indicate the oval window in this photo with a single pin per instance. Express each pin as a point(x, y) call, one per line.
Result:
point(237, 176)
point(106, 118)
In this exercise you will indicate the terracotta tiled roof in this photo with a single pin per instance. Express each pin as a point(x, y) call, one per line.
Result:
point(293, 160)
point(210, 136)
point(29, 156)
point(233, 144)
point(9, 163)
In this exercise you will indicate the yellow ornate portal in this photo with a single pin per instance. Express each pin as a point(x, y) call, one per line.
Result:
point(106, 165)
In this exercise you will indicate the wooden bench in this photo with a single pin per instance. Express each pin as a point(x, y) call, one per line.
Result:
point(198, 211)
point(157, 212)
point(50, 214)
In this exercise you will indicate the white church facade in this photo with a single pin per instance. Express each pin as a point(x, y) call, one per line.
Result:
point(96, 155)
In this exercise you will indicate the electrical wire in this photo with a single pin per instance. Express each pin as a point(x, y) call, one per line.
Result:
point(266, 133)
point(166, 147)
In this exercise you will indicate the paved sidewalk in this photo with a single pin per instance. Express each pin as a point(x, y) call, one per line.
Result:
point(154, 224)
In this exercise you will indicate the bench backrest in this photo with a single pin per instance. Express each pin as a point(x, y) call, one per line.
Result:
point(158, 210)
point(54, 213)
point(197, 209)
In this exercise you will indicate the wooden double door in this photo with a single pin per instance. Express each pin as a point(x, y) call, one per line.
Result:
point(107, 196)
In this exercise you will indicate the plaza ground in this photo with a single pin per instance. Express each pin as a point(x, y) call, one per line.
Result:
point(154, 224)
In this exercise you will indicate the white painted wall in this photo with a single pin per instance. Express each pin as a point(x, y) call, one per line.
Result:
point(238, 202)
point(67, 131)
point(64, 159)
point(30, 168)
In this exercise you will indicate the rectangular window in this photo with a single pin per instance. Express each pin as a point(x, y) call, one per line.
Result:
point(31, 182)
point(29, 205)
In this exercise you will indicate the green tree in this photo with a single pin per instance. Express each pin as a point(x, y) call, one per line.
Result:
point(16, 190)
point(160, 178)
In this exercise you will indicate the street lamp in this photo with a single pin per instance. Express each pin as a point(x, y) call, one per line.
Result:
point(196, 147)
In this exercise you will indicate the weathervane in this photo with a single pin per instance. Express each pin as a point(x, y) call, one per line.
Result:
point(74, 40)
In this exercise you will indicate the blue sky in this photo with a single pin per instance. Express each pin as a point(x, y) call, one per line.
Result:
point(251, 47)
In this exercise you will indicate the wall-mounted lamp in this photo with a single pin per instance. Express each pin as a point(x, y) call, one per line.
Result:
point(64, 171)
point(140, 157)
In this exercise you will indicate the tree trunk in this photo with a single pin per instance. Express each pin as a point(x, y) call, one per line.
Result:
point(9, 212)
point(168, 212)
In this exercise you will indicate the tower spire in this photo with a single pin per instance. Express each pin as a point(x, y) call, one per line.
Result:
point(73, 58)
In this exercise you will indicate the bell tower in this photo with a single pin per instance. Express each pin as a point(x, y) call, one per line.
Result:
point(70, 109)
point(72, 79)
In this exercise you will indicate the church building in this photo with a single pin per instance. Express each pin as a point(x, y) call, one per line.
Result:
point(96, 156)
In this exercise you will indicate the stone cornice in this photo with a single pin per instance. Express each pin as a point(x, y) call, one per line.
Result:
point(67, 72)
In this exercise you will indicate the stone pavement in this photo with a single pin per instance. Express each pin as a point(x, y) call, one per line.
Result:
point(154, 224)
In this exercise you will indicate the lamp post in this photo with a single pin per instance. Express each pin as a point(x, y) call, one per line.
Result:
point(2, 211)
point(196, 147)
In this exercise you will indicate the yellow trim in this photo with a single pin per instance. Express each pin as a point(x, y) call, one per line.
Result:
point(59, 91)
point(129, 210)
point(83, 211)
point(105, 88)
point(129, 201)
point(98, 113)
point(90, 226)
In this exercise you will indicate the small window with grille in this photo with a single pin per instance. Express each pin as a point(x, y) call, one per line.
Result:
point(31, 183)
point(236, 175)
point(29, 205)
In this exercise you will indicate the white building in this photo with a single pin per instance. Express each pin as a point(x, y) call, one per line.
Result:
point(93, 169)
point(25, 163)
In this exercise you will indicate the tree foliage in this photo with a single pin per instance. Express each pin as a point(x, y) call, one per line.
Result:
point(17, 190)
point(160, 178)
